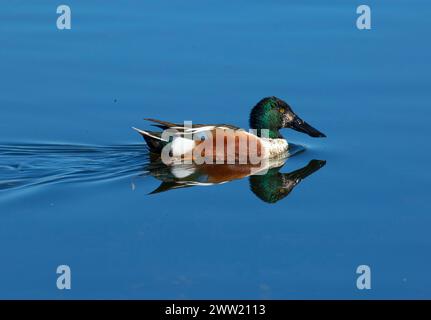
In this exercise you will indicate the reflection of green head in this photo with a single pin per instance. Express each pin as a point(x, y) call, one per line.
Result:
point(268, 187)
point(274, 186)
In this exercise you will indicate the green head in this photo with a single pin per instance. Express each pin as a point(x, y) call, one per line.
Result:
point(274, 114)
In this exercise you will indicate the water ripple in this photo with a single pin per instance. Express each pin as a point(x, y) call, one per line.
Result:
point(28, 165)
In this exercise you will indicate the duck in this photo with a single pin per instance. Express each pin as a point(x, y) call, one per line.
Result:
point(193, 141)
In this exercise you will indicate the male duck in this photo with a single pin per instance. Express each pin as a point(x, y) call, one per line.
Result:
point(270, 113)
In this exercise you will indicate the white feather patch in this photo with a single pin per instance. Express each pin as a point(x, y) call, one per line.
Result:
point(196, 130)
point(181, 172)
point(182, 146)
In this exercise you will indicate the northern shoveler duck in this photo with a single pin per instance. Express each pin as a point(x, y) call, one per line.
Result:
point(267, 117)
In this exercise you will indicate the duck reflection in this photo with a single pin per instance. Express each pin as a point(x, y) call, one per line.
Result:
point(275, 185)
point(267, 183)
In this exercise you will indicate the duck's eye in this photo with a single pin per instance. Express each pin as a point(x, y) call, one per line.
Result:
point(281, 110)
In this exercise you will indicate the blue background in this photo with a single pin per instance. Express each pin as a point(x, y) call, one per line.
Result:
point(211, 61)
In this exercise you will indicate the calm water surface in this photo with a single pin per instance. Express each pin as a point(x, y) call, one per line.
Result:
point(75, 179)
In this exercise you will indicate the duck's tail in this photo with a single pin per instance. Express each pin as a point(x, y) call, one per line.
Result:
point(153, 139)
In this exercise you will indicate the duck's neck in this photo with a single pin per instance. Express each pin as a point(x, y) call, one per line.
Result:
point(268, 133)
point(265, 127)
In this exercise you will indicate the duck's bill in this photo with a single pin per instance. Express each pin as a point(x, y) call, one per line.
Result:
point(302, 126)
point(300, 174)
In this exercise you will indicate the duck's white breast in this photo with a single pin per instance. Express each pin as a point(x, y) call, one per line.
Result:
point(274, 147)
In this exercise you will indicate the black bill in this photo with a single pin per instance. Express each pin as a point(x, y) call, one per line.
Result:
point(299, 125)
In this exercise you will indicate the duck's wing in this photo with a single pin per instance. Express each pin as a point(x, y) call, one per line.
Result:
point(162, 124)
point(239, 145)
point(190, 129)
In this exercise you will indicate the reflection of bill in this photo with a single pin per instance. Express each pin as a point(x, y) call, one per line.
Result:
point(267, 183)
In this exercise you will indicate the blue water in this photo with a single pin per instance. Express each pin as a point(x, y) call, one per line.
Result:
point(75, 179)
